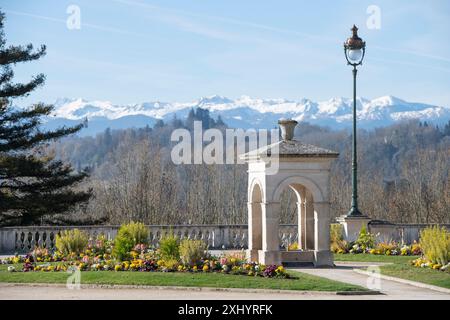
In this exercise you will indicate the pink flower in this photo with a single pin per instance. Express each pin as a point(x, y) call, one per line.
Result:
point(140, 247)
point(99, 244)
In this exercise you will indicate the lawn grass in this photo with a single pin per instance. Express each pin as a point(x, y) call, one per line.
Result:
point(400, 267)
point(424, 275)
point(362, 257)
point(217, 280)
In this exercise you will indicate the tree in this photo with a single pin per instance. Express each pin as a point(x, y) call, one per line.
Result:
point(33, 185)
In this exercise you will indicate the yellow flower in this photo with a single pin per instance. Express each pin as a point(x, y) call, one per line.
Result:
point(205, 268)
point(280, 269)
point(194, 268)
point(117, 267)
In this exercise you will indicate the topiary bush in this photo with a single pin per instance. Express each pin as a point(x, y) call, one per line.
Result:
point(435, 243)
point(192, 251)
point(128, 236)
point(71, 241)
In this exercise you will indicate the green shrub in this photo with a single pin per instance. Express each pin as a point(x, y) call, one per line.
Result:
point(128, 236)
point(69, 241)
point(435, 243)
point(169, 247)
point(336, 232)
point(337, 242)
point(365, 239)
point(170, 264)
point(192, 251)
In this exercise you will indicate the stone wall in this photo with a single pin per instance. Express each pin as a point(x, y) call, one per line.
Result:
point(402, 233)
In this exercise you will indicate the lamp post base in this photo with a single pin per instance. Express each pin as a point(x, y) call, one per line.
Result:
point(354, 212)
point(352, 224)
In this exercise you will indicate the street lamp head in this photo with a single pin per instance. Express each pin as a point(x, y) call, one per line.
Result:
point(354, 48)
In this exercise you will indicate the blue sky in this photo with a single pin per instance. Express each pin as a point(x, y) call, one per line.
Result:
point(131, 51)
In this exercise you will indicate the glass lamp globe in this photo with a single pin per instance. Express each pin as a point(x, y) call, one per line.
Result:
point(354, 55)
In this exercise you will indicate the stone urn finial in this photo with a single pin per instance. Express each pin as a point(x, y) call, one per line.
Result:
point(287, 127)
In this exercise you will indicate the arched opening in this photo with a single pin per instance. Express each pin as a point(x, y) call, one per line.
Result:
point(288, 207)
point(297, 207)
point(255, 222)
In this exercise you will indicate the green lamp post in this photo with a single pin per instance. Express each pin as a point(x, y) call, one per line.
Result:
point(355, 49)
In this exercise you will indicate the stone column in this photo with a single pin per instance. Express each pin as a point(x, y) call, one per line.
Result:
point(322, 252)
point(270, 253)
point(254, 230)
point(7, 240)
point(309, 223)
point(301, 209)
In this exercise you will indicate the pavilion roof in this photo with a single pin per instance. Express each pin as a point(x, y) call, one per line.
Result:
point(291, 148)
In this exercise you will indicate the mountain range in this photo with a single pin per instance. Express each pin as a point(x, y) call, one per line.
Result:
point(245, 112)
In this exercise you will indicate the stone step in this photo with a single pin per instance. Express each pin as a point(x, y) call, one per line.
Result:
point(297, 264)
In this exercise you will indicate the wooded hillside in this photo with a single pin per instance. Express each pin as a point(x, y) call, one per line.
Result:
point(403, 174)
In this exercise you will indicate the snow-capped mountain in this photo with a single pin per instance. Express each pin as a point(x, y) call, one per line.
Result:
point(246, 112)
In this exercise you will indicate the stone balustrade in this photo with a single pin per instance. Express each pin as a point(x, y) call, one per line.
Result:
point(23, 239)
point(400, 232)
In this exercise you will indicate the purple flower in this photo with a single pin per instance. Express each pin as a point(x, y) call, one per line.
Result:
point(269, 272)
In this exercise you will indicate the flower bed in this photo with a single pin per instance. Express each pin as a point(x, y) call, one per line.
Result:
point(149, 261)
point(423, 262)
point(123, 255)
point(382, 248)
point(39, 255)
point(436, 249)
point(366, 243)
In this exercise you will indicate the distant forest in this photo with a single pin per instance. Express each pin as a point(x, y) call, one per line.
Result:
point(403, 175)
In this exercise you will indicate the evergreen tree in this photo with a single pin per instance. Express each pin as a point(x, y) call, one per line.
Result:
point(447, 129)
point(220, 122)
point(159, 124)
point(33, 185)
